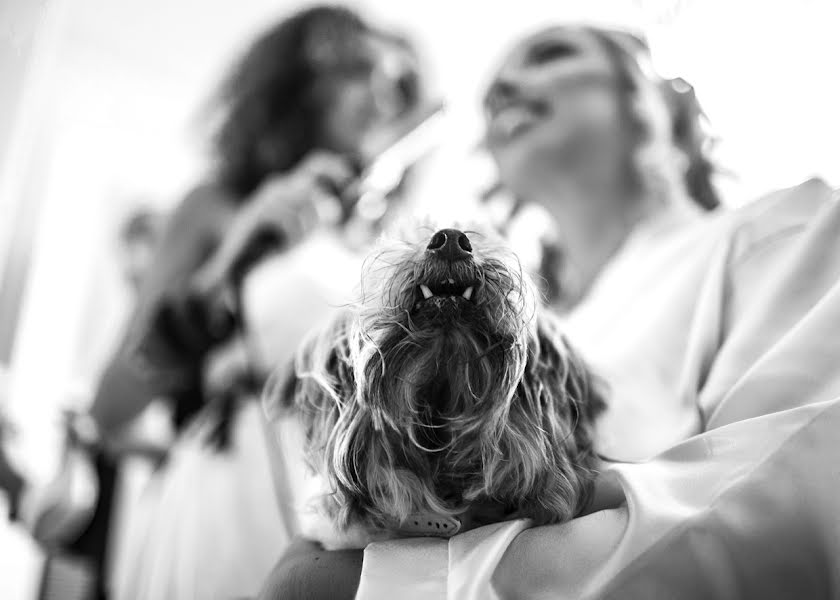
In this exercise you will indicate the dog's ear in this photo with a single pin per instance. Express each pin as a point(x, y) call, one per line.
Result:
point(317, 378)
point(552, 424)
point(367, 479)
point(574, 380)
point(279, 392)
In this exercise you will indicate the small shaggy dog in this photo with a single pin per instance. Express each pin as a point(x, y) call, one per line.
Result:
point(446, 400)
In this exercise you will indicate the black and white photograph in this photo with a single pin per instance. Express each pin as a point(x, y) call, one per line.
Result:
point(377, 299)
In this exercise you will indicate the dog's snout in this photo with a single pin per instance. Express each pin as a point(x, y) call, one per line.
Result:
point(450, 244)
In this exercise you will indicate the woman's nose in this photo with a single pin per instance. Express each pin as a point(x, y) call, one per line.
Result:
point(450, 244)
point(500, 93)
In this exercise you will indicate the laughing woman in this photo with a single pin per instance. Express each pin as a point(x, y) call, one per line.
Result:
point(710, 328)
point(580, 125)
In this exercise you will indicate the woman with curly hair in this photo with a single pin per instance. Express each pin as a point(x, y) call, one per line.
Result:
point(313, 99)
point(303, 109)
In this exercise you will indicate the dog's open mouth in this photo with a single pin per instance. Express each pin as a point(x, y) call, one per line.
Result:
point(448, 292)
point(447, 288)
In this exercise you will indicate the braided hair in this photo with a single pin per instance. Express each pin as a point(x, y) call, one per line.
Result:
point(684, 123)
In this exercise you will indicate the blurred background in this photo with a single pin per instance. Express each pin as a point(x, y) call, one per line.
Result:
point(101, 121)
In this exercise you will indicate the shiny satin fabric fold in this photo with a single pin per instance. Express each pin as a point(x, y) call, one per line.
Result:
point(746, 506)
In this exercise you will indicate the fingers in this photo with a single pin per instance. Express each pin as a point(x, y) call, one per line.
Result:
point(326, 208)
point(328, 170)
point(225, 365)
point(284, 210)
point(309, 196)
point(319, 169)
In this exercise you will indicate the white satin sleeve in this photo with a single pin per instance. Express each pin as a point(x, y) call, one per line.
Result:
point(425, 568)
point(745, 508)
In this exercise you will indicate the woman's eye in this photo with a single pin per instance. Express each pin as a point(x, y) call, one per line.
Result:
point(408, 88)
point(550, 51)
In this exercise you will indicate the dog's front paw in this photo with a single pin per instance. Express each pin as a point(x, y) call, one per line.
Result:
point(331, 537)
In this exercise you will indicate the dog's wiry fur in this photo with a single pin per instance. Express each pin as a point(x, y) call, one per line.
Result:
point(444, 405)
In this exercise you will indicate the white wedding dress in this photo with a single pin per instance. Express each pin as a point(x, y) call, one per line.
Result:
point(209, 526)
point(721, 345)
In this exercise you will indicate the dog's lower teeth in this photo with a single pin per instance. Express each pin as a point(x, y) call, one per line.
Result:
point(427, 293)
point(468, 293)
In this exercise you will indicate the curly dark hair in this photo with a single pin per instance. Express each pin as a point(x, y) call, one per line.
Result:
point(271, 113)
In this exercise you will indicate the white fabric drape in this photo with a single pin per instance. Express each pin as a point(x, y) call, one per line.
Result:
point(213, 524)
point(721, 344)
point(208, 527)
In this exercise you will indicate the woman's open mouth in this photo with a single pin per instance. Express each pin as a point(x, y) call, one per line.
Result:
point(515, 119)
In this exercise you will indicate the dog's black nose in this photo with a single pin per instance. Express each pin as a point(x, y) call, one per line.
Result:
point(450, 244)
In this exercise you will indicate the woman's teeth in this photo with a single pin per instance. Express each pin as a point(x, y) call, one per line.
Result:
point(514, 119)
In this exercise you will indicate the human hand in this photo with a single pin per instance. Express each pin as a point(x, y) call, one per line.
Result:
point(283, 211)
point(225, 366)
point(309, 196)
